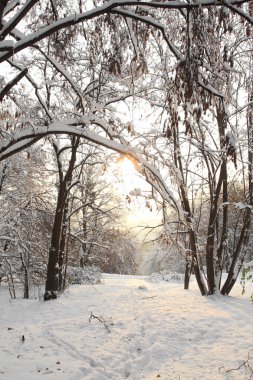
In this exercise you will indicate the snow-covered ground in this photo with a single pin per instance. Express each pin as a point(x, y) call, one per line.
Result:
point(146, 330)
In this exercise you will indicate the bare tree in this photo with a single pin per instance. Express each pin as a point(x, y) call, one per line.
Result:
point(25, 221)
point(201, 148)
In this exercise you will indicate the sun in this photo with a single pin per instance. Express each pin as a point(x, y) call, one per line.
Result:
point(129, 164)
point(125, 174)
point(126, 167)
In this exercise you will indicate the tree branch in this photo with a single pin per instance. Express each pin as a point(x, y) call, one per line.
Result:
point(12, 83)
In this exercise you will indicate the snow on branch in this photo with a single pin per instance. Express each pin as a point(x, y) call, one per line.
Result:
point(6, 45)
point(10, 6)
point(209, 88)
point(17, 17)
point(239, 11)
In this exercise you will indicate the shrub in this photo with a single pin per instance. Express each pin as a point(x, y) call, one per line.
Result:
point(84, 276)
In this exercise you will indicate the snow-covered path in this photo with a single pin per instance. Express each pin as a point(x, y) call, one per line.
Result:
point(156, 330)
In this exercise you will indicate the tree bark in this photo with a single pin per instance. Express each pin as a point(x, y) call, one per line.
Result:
point(52, 282)
point(63, 245)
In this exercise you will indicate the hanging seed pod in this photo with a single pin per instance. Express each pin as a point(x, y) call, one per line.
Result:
point(248, 30)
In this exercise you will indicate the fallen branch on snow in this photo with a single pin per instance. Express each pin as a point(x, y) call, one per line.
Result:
point(246, 365)
point(101, 320)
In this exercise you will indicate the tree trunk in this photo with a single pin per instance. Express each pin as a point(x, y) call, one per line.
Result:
point(210, 255)
point(52, 282)
point(54, 259)
point(187, 274)
point(238, 255)
point(26, 284)
point(214, 253)
point(63, 246)
point(10, 281)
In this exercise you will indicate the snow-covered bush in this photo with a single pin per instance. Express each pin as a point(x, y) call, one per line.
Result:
point(87, 275)
point(247, 276)
point(163, 276)
point(115, 253)
point(160, 258)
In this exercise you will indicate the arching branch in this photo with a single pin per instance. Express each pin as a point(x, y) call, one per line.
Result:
point(23, 139)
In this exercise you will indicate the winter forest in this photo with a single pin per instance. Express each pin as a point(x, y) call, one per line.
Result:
point(160, 93)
